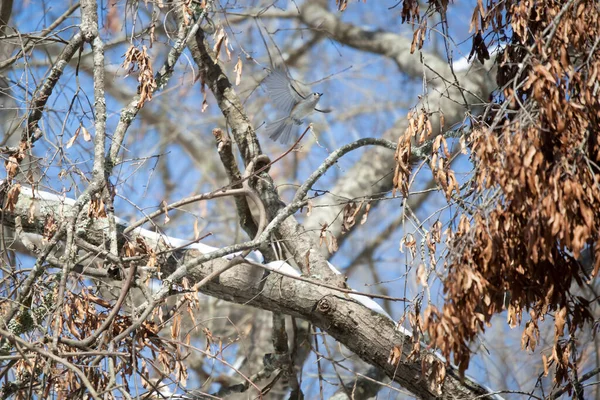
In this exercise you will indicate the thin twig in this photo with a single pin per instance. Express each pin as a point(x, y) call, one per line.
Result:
point(45, 32)
point(84, 380)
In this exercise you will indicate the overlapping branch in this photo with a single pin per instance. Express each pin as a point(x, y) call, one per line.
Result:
point(368, 334)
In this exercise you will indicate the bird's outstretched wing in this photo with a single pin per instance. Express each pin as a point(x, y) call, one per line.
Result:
point(279, 88)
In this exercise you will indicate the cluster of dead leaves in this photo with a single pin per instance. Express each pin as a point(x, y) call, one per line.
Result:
point(433, 370)
point(420, 129)
point(410, 11)
point(137, 60)
point(82, 314)
point(79, 317)
point(141, 248)
point(13, 161)
point(327, 237)
point(520, 252)
point(351, 213)
point(97, 208)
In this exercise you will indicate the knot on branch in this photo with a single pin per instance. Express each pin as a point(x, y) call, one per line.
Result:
point(223, 140)
point(262, 162)
point(325, 306)
point(273, 361)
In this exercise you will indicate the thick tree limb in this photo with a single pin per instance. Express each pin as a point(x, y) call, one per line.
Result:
point(368, 334)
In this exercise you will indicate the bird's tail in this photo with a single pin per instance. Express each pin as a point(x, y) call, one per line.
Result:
point(281, 130)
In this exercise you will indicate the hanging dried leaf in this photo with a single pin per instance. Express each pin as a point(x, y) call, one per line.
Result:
point(341, 4)
point(97, 207)
point(363, 220)
point(203, 91)
point(50, 228)
point(238, 71)
point(395, 356)
point(176, 327)
point(12, 197)
point(332, 244)
point(221, 41)
point(349, 218)
point(73, 138)
point(323, 234)
point(165, 208)
point(479, 48)
point(410, 243)
point(86, 135)
point(196, 230)
point(422, 275)
point(31, 213)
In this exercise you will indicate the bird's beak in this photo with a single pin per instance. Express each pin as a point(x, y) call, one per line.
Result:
point(320, 94)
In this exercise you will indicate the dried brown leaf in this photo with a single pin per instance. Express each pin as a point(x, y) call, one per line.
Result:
point(395, 356)
point(12, 196)
point(86, 135)
point(238, 71)
point(165, 208)
point(365, 215)
point(73, 138)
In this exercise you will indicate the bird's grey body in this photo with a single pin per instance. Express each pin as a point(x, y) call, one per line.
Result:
point(288, 100)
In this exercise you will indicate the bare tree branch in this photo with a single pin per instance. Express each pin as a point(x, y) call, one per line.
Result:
point(370, 335)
